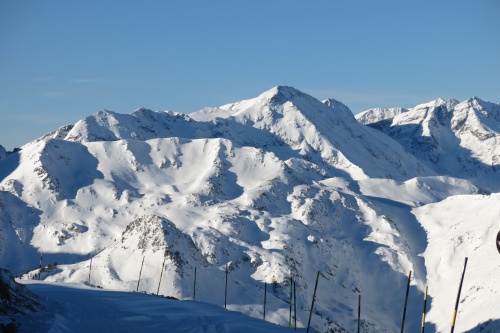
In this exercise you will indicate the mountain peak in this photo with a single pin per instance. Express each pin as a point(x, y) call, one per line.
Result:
point(281, 94)
point(474, 100)
point(449, 104)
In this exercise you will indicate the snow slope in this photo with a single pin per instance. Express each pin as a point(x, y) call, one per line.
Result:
point(76, 308)
point(454, 234)
point(276, 186)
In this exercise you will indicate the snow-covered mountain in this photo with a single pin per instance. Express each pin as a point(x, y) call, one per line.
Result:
point(278, 186)
point(456, 139)
point(4, 153)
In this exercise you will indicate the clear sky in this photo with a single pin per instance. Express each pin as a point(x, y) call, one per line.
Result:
point(62, 60)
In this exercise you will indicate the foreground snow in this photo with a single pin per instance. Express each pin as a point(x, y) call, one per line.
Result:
point(77, 308)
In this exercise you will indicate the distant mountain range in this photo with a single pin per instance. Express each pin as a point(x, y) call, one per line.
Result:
point(4, 153)
point(456, 139)
point(278, 186)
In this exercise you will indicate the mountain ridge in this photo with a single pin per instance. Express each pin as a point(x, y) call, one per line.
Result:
point(455, 139)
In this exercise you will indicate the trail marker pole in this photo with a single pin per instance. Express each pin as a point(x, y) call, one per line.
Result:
point(161, 274)
point(194, 286)
point(225, 292)
point(312, 304)
point(359, 313)
point(458, 298)
point(140, 272)
point(40, 273)
point(291, 301)
point(90, 269)
point(265, 298)
point(406, 302)
point(423, 312)
point(294, 305)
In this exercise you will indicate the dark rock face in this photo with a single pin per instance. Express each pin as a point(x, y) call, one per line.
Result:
point(15, 301)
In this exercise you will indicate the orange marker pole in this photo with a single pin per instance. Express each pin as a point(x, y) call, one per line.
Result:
point(423, 312)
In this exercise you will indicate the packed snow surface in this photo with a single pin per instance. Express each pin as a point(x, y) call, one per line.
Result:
point(76, 308)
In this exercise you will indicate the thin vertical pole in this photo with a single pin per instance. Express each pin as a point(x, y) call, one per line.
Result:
point(40, 273)
point(140, 272)
point(265, 298)
point(225, 292)
point(161, 274)
point(312, 304)
point(291, 301)
point(294, 305)
point(458, 298)
point(90, 270)
point(406, 303)
point(194, 286)
point(359, 313)
point(425, 306)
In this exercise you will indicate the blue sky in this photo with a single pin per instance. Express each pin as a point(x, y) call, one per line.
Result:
point(61, 61)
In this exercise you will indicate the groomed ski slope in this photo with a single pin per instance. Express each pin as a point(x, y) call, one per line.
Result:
point(77, 308)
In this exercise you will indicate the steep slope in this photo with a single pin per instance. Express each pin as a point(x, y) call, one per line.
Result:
point(456, 139)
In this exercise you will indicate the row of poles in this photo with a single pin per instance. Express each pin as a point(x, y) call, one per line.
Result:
point(293, 298)
point(292, 301)
point(455, 311)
